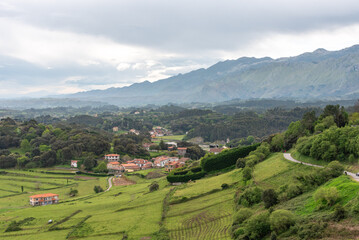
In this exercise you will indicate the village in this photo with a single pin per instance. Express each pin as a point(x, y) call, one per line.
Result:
point(117, 166)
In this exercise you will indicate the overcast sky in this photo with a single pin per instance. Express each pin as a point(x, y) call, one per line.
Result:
point(55, 47)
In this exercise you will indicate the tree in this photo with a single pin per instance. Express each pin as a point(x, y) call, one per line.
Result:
point(280, 220)
point(308, 121)
point(241, 163)
point(195, 152)
point(242, 215)
point(270, 198)
point(25, 145)
point(162, 145)
point(89, 164)
point(250, 196)
point(258, 226)
point(98, 189)
point(246, 173)
point(101, 168)
point(341, 117)
point(277, 143)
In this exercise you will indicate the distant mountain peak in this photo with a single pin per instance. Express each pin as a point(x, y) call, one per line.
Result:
point(320, 74)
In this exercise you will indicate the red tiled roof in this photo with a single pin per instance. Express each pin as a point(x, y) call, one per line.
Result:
point(182, 148)
point(112, 155)
point(216, 149)
point(114, 163)
point(44, 195)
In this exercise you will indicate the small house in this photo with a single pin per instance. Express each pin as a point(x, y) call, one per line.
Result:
point(44, 199)
point(74, 163)
point(112, 157)
point(182, 151)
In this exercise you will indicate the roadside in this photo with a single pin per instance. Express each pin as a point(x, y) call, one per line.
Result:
point(290, 158)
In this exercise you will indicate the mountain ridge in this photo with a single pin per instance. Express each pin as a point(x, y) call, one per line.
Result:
point(320, 74)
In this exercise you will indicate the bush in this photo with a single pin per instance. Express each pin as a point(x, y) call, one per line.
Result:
point(326, 196)
point(294, 190)
point(335, 168)
point(242, 215)
point(339, 213)
point(226, 158)
point(311, 230)
point(73, 192)
point(185, 178)
point(247, 174)
point(257, 226)
point(241, 163)
point(270, 198)
point(13, 226)
point(154, 187)
point(250, 196)
point(98, 189)
point(224, 186)
point(281, 220)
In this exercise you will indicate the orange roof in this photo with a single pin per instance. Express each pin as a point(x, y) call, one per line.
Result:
point(182, 148)
point(112, 155)
point(44, 195)
point(114, 163)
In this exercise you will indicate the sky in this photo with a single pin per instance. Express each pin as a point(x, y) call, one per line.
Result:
point(50, 47)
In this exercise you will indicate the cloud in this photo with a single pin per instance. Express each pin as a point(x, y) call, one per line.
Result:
point(49, 47)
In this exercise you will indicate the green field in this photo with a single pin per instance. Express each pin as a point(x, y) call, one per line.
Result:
point(176, 138)
point(194, 210)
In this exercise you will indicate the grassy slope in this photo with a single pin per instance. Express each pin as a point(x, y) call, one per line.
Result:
point(204, 213)
point(351, 167)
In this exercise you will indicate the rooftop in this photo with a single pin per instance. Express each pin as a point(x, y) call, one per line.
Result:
point(44, 195)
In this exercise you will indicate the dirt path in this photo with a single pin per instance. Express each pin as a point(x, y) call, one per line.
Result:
point(290, 158)
point(109, 184)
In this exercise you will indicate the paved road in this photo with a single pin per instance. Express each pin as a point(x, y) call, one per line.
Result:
point(290, 158)
point(109, 184)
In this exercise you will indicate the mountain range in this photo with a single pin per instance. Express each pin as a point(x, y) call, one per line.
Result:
point(314, 75)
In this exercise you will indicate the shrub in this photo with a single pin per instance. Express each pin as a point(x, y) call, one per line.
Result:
point(224, 186)
point(226, 158)
point(250, 196)
point(270, 198)
point(257, 226)
point(311, 230)
point(185, 178)
point(281, 220)
point(242, 215)
point(154, 187)
point(294, 190)
point(13, 226)
point(73, 192)
point(339, 213)
point(241, 163)
point(247, 174)
point(326, 196)
point(98, 189)
point(335, 168)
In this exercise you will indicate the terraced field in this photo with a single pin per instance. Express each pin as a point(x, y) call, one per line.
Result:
point(207, 217)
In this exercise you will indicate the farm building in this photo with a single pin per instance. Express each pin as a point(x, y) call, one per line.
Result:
point(44, 199)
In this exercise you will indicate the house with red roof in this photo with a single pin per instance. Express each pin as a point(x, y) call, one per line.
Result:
point(161, 161)
point(181, 151)
point(113, 166)
point(130, 167)
point(139, 162)
point(215, 150)
point(44, 199)
point(112, 157)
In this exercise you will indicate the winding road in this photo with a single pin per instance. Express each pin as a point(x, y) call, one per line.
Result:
point(290, 158)
point(109, 184)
